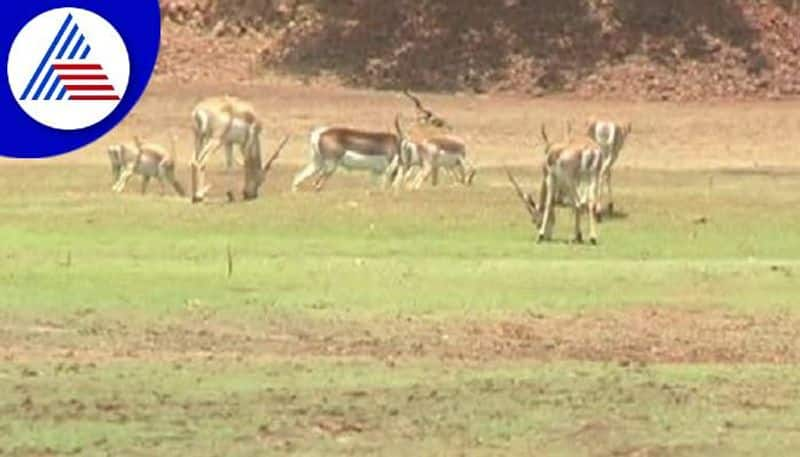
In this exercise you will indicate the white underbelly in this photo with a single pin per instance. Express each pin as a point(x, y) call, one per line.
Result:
point(356, 161)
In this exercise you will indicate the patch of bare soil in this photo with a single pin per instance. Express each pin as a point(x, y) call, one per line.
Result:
point(632, 49)
point(641, 336)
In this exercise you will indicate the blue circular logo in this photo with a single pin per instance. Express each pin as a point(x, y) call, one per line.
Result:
point(74, 70)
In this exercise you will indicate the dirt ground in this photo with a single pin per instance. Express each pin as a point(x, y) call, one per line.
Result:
point(499, 129)
point(745, 136)
point(614, 49)
point(611, 380)
point(639, 336)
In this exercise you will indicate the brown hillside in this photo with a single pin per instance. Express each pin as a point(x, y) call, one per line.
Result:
point(666, 49)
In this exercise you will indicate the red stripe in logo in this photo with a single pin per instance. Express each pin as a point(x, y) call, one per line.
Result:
point(77, 66)
point(82, 77)
point(93, 97)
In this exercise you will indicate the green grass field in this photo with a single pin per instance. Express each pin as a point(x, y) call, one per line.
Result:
point(683, 243)
point(368, 323)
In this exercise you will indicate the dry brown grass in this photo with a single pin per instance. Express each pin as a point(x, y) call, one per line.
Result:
point(499, 128)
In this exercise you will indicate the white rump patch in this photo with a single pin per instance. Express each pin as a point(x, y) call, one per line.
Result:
point(606, 133)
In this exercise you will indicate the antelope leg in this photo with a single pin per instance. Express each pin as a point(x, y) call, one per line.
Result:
point(145, 182)
point(305, 174)
point(124, 177)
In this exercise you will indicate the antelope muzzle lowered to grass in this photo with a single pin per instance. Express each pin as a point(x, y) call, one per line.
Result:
point(228, 122)
point(527, 200)
point(570, 178)
point(255, 173)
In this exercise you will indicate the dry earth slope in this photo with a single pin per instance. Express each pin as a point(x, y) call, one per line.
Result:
point(622, 49)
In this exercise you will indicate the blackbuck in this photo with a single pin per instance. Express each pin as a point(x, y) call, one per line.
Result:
point(426, 151)
point(425, 116)
point(570, 177)
point(430, 146)
point(333, 147)
point(146, 160)
point(611, 137)
point(228, 122)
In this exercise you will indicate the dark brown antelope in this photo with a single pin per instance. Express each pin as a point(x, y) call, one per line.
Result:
point(333, 147)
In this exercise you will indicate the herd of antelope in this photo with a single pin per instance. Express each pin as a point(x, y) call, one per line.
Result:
point(575, 171)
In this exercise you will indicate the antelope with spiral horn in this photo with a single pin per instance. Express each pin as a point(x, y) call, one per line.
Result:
point(228, 122)
point(570, 177)
point(430, 146)
point(352, 149)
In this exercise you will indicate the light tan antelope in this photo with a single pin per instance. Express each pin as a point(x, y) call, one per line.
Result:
point(431, 146)
point(228, 122)
point(424, 154)
point(333, 147)
point(611, 137)
point(147, 160)
point(570, 177)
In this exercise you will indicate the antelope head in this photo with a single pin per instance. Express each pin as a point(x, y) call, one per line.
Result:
point(424, 115)
point(254, 172)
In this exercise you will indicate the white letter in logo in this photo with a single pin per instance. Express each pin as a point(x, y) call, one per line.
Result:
point(68, 68)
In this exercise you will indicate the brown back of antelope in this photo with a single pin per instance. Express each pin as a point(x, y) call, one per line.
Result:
point(570, 178)
point(331, 147)
point(335, 142)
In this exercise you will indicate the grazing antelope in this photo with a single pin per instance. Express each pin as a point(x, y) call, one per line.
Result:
point(611, 137)
point(147, 160)
point(429, 153)
point(227, 122)
point(332, 147)
point(430, 146)
point(570, 177)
